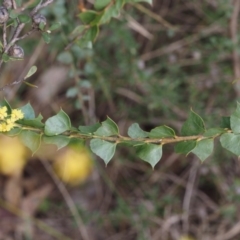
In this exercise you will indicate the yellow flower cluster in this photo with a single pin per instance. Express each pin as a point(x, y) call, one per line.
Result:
point(7, 122)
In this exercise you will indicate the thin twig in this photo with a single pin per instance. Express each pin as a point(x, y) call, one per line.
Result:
point(26, 34)
point(40, 224)
point(4, 35)
point(41, 5)
point(72, 207)
point(14, 4)
point(234, 36)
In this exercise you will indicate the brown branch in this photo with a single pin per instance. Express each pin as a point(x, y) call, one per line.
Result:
point(234, 32)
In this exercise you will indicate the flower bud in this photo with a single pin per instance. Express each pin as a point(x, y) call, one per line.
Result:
point(37, 19)
point(7, 4)
point(16, 51)
point(3, 15)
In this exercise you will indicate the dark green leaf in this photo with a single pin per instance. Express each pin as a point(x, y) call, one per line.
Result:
point(59, 141)
point(134, 131)
point(108, 128)
point(24, 18)
point(6, 104)
point(46, 37)
point(31, 140)
point(31, 71)
point(212, 132)
point(93, 33)
point(150, 153)
point(103, 149)
point(203, 149)
point(231, 142)
point(101, 4)
point(193, 126)
point(57, 124)
point(88, 16)
point(162, 132)
point(185, 147)
point(235, 120)
point(89, 129)
point(77, 31)
point(35, 122)
point(112, 11)
point(225, 123)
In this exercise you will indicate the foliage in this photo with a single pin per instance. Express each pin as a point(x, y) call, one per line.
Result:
point(104, 137)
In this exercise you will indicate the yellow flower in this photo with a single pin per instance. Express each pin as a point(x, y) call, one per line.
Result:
point(17, 114)
point(13, 155)
point(9, 126)
point(3, 112)
point(72, 165)
point(3, 127)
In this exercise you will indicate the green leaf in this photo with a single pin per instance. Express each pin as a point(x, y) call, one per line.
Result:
point(93, 33)
point(162, 132)
point(65, 57)
point(193, 126)
point(24, 18)
point(134, 131)
point(31, 140)
point(31, 71)
point(59, 141)
point(235, 120)
point(88, 16)
point(150, 153)
point(101, 4)
point(112, 11)
point(213, 132)
point(13, 13)
point(13, 132)
point(77, 31)
point(41, 26)
point(231, 142)
point(46, 37)
point(225, 122)
point(203, 149)
point(5, 57)
point(35, 122)
point(185, 147)
point(57, 124)
point(89, 129)
point(103, 149)
point(108, 128)
point(28, 111)
point(6, 104)
point(55, 26)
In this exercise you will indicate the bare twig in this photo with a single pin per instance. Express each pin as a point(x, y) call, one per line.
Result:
point(188, 194)
point(214, 28)
point(41, 5)
point(14, 4)
point(72, 207)
point(4, 35)
point(234, 32)
point(19, 28)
